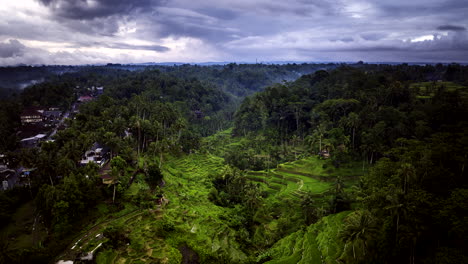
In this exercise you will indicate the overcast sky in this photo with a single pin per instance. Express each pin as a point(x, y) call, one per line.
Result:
point(124, 31)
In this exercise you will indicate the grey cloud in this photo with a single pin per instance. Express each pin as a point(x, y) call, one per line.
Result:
point(302, 8)
point(178, 22)
point(451, 28)
point(83, 9)
point(34, 56)
point(219, 13)
point(105, 26)
point(345, 39)
point(125, 46)
point(157, 48)
point(241, 29)
point(11, 48)
point(404, 8)
point(373, 36)
point(219, 24)
point(455, 46)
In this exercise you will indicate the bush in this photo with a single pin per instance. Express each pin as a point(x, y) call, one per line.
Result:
point(153, 175)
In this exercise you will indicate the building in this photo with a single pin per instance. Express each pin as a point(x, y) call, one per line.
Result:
point(3, 162)
point(85, 98)
point(7, 177)
point(52, 115)
point(97, 154)
point(99, 90)
point(25, 176)
point(324, 154)
point(33, 141)
point(32, 115)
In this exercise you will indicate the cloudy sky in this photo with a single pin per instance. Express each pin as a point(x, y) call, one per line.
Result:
point(124, 31)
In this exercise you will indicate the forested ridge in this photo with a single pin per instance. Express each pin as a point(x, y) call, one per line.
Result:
point(245, 164)
point(416, 146)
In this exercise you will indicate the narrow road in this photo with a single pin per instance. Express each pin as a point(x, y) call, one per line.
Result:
point(65, 115)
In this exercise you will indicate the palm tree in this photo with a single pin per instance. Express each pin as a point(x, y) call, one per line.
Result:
point(112, 141)
point(115, 180)
point(46, 163)
point(408, 172)
point(162, 145)
point(359, 228)
point(137, 125)
point(316, 136)
point(352, 121)
point(118, 166)
point(396, 206)
point(320, 131)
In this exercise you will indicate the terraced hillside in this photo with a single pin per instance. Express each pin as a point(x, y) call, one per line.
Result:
point(198, 223)
point(312, 175)
point(191, 226)
point(427, 90)
point(187, 227)
point(317, 244)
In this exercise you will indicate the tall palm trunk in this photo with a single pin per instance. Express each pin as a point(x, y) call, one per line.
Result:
point(113, 196)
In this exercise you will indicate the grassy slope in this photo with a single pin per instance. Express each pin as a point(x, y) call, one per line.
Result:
point(318, 242)
point(427, 89)
point(204, 227)
point(198, 221)
point(195, 220)
point(310, 174)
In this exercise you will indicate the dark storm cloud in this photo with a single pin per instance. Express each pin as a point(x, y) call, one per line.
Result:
point(222, 21)
point(106, 26)
point(90, 9)
point(451, 28)
point(11, 48)
point(241, 30)
point(186, 26)
point(404, 8)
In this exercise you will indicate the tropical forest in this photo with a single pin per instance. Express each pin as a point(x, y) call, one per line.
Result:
point(234, 163)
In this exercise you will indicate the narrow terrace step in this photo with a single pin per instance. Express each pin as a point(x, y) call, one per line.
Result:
point(320, 178)
point(255, 179)
point(288, 178)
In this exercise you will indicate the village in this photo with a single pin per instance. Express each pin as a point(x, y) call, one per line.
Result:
point(40, 124)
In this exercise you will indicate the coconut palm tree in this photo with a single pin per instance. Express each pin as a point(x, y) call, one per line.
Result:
point(118, 166)
point(359, 229)
point(352, 121)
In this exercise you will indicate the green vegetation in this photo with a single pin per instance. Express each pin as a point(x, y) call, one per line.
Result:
point(427, 90)
point(317, 243)
point(362, 164)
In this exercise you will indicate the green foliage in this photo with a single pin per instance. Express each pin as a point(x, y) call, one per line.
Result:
point(62, 204)
point(117, 236)
point(318, 243)
point(358, 233)
point(292, 207)
point(153, 175)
